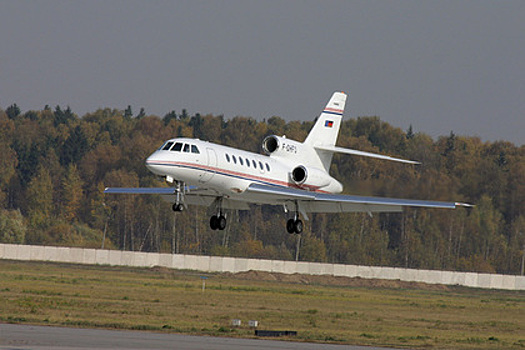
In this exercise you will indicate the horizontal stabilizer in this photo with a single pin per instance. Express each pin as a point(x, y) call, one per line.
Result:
point(354, 152)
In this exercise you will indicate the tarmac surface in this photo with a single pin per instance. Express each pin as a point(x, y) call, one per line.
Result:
point(26, 337)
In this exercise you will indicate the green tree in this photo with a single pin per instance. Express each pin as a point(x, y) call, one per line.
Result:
point(128, 113)
point(12, 227)
point(40, 202)
point(312, 249)
point(75, 147)
point(72, 194)
point(13, 111)
point(8, 163)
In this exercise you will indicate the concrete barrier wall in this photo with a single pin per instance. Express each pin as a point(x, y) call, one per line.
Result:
point(234, 265)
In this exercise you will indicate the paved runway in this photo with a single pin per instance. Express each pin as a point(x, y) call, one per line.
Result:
point(24, 337)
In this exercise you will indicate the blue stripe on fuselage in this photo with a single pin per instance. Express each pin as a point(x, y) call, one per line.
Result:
point(219, 172)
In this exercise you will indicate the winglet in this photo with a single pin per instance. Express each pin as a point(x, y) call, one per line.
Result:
point(464, 205)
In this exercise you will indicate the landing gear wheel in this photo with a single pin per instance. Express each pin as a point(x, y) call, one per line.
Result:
point(221, 222)
point(290, 226)
point(294, 226)
point(214, 223)
point(177, 207)
point(298, 226)
point(218, 222)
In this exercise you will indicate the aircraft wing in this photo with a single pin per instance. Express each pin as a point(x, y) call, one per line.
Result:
point(193, 195)
point(313, 202)
point(139, 190)
point(308, 202)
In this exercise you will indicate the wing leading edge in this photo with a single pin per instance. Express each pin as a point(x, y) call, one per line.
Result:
point(139, 190)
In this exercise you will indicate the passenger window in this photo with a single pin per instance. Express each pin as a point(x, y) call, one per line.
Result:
point(260, 165)
point(186, 148)
point(234, 159)
point(267, 167)
point(167, 146)
point(194, 149)
point(240, 161)
point(254, 164)
point(227, 157)
point(177, 147)
point(248, 162)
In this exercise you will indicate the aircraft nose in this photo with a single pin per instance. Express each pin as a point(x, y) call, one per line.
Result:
point(153, 163)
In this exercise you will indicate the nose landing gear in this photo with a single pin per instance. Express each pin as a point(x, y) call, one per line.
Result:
point(180, 190)
point(177, 207)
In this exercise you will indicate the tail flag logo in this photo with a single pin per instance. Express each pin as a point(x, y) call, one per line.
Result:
point(329, 123)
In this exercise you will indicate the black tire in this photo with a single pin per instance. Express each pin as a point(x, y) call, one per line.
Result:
point(298, 226)
point(177, 207)
point(214, 223)
point(290, 226)
point(221, 222)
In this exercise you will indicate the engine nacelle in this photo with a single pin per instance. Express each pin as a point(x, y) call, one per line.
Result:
point(281, 146)
point(310, 178)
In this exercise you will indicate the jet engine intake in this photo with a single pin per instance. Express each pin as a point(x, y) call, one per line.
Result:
point(299, 175)
point(277, 146)
point(270, 144)
point(310, 178)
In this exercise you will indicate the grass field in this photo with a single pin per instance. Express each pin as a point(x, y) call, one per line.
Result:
point(173, 301)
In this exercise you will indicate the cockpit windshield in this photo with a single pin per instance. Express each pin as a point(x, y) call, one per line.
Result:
point(177, 147)
point(167, 145)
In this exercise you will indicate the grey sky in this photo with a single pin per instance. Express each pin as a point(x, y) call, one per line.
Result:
point(438, 65)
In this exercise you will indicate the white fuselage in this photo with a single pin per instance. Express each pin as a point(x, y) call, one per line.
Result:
point(228, 170)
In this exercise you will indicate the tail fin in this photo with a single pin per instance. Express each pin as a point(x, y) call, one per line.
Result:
point(326, 128)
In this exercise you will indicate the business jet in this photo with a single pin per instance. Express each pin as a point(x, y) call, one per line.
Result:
point(292, 174)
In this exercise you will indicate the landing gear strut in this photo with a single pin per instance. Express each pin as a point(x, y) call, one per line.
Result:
point(178, 206)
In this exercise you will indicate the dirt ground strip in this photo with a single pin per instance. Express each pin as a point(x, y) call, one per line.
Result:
point(341, 281)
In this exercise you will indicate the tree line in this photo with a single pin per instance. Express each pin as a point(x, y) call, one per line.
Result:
point(55, 165)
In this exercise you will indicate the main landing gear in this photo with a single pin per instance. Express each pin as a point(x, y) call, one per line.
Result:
point(295, 225)
point(218, 222)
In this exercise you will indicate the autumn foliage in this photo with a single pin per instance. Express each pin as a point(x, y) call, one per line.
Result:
point(55, 165)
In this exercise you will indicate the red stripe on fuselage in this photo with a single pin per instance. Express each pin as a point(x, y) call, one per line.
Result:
point(234, 173)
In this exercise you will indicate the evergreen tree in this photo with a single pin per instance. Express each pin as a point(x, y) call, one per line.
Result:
point(75, 147)
point(13, 111)
point(169, 117)
point(128, 113)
